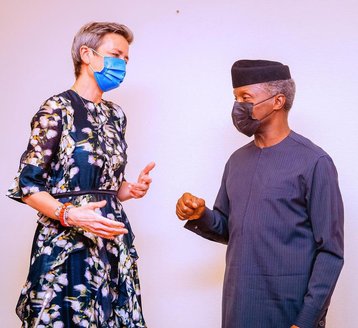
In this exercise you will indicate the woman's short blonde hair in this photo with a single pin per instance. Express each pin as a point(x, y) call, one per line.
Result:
point(91, 35)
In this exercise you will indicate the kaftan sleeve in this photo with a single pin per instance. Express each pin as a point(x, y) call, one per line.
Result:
point(46, 128)
point(325, 208)
point(213, 225)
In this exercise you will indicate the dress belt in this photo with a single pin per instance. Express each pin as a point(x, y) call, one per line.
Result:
point(83, 192)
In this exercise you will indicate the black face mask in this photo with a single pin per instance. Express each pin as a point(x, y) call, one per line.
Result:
point(242, 117)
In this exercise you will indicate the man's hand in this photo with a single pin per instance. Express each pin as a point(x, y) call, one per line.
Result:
point(190, 207)
point(294, 326)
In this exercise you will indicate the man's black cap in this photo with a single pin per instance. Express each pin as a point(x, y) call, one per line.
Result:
point(246, 72)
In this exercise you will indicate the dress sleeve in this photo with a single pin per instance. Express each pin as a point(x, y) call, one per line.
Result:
point(120, 121)
point(213, 225)
point(325, 208)
point(120, 117)
point(46, 128)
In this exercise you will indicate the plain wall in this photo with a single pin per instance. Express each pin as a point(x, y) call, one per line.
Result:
point(178, 99)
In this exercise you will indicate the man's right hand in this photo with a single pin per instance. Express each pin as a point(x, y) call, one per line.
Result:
point(190, 207)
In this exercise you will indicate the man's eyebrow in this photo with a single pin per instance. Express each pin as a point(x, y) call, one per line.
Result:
point(245, 94)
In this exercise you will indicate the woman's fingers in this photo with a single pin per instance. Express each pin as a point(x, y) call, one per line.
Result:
point(104, 230)
point(105, 235)
point(144, 174)
point(146, 179)
point(148, 168)
point(138, 190)
point(95, 205)
point(108, 222)
point(138, 187)
point(105, 227)
point(86, 218)
point(139, 195)
point(105, 223)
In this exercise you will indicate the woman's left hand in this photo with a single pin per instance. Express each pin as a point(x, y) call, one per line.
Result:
point(137, 189)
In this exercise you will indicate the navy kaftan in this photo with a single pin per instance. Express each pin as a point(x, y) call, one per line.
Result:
point(280, 212)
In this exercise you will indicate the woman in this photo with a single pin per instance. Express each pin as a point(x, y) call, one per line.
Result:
point(83, 265)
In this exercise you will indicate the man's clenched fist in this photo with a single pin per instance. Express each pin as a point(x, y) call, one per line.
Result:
point(190, 207)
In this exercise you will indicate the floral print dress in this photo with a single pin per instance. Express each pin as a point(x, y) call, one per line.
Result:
point(77, 153)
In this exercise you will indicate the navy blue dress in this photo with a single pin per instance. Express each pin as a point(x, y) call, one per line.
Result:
point(77, 153)
point(279, 210)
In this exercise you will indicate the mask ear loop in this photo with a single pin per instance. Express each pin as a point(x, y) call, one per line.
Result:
point(97, 53)
point(263, 102)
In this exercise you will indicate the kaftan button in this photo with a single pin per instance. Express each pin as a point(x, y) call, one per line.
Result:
point(321, 323)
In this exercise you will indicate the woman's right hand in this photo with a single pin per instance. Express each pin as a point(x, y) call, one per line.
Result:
point(87, 218)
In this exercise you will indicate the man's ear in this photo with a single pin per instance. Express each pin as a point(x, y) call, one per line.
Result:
point(85, 54)
point(280, 101)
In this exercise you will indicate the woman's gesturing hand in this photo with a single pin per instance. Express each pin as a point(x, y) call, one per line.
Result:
point(136, 189)
point(87, 218)
point(139, 189)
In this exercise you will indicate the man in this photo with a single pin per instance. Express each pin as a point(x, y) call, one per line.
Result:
point(279, 210)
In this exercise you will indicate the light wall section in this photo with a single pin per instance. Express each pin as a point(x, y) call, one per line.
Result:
point(178, 99)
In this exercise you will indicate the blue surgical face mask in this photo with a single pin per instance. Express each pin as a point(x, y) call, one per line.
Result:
point(112, 74)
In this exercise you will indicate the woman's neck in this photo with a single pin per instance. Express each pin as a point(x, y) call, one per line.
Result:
point(88, 89)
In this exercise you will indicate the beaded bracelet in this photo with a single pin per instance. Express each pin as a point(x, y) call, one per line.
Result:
point(57, 210)
point(63, 215)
